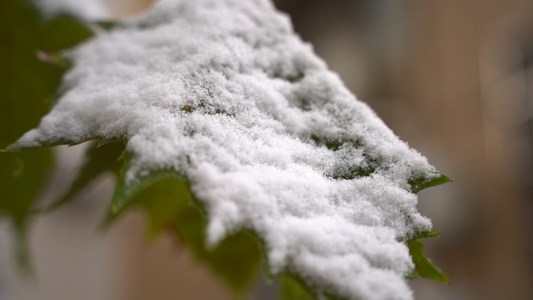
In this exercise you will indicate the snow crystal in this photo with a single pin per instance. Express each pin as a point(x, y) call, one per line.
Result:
point(224, 92)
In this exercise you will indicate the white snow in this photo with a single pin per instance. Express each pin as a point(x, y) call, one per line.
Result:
point(224, 92)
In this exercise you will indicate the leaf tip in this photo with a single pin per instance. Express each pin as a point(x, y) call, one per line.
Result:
point(115, 207)
point(445, 178)
point(9, 149)
point(423, 266)
point(420, 184)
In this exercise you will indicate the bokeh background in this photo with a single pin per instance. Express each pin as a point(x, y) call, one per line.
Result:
point(453, 78)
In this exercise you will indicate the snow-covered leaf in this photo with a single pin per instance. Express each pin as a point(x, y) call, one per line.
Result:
point(225, 97)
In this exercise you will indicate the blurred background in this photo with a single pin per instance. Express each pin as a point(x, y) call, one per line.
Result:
point(452, 78)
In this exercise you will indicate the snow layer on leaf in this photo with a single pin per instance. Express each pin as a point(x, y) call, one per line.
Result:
point(224, 92)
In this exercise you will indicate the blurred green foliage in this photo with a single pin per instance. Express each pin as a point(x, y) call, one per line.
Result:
point(27, 86)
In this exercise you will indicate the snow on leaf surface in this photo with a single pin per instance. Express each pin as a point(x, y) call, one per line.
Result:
point(224, 93)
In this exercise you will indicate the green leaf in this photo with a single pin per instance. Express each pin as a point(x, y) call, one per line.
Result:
point(166, 200)
point(99, 159)
point(291, 288)
point(125, 191)
point(62, 32)
point(422, 183)
point(426, 234)
point(423, 266)
point(22, 176)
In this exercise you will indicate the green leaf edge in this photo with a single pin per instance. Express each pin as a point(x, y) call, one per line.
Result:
point(91, 168)
point(124, 199)
point(422, 183)
point(424, 268)
point(125, 191)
